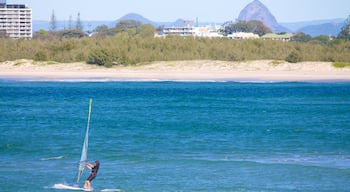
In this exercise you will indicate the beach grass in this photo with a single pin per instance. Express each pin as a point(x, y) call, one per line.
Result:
point(276, 62)
point(20, 62)
point(341, 64)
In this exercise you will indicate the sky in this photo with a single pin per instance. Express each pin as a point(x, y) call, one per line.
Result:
point(217, 11)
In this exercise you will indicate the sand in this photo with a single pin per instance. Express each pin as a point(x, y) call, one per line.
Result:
point(198, 70)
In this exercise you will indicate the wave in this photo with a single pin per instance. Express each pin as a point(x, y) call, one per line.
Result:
point(337, 162)
point(92, 80)
point(52, 158)
point(322, 161)
point(110, 190)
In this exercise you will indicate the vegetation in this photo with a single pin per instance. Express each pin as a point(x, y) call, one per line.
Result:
point(131, 43)
point(275, 62)
point(294, 57)
point(341, 64)
point(345, 31)
point(253, 26)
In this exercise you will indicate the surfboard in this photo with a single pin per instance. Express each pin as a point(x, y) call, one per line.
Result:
point(68, 187)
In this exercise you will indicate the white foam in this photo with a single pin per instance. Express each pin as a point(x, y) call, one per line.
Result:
point(52, 158)
point(110, 190)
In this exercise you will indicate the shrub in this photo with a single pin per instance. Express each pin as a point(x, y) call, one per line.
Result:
point(341, 64)
point(40, 56)
point(101, 57)
point(293, 57)
point(275, 62)
point(80, 57)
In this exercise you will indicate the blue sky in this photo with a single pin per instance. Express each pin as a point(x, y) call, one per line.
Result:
point(171, 10)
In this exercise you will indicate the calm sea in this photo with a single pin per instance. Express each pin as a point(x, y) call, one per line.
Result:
point(177, 136)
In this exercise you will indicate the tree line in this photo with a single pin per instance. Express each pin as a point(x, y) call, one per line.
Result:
point(131, 43)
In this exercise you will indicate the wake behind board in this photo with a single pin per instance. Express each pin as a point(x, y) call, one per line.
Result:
point(67, 187)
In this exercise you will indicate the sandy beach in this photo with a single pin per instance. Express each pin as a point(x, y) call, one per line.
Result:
point(198, 70)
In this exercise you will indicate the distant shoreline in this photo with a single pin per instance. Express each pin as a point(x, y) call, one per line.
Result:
point(197, 70)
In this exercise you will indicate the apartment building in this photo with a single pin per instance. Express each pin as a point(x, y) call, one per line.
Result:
point(15, 20)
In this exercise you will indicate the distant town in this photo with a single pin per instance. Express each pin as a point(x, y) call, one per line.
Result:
point(16, 22)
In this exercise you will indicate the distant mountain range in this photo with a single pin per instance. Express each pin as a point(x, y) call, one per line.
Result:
point(253, 11)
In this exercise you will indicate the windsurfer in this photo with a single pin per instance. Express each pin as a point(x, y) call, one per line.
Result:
point(94, 169)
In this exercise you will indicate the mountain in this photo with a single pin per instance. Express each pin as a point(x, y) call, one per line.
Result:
point(322, 29)
point(253, 11)
point(318, 27)
point(295, 26)
point(133, 16)
point(258, 11)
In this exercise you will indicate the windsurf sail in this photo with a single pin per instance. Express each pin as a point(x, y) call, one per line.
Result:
point(85, 146)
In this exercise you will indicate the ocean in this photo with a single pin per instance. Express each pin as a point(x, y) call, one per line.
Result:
point(176, 136)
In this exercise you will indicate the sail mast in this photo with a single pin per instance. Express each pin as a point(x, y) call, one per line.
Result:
point(85, 146)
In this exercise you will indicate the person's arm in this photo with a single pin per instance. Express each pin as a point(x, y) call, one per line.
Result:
point(90, 166)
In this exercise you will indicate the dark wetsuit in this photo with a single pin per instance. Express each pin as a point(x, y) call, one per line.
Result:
point(94, 171)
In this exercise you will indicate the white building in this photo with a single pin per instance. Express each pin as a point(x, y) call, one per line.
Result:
point(208, 31)
point(242, 35)
point(15, 20)
point(179, 31)
point(189, 30)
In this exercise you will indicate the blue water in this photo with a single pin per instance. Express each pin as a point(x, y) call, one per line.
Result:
point(177, 136)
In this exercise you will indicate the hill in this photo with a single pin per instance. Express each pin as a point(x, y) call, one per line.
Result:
point(133, 16)
point(258, 11)
point(322, 29)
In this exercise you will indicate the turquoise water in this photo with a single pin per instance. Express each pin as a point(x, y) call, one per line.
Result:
point(177, 136)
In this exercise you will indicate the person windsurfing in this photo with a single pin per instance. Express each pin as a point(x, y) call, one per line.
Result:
point(94, 169)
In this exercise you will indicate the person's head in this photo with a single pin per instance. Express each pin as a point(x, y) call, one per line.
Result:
point(97, 162)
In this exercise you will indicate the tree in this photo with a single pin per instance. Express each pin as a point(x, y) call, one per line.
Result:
point(253, 26)
point(345, 31)
point(128, 24)
point(101, 29)
point(293, 57)
point(323, 39)
point(53, 22)
point(241, 26)
point(71, 34)
point(258, 27)
point(301, 37)
point(146, 31)
point(79, 25)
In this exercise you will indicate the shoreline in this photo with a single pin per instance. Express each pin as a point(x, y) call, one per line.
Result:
point(197, 70)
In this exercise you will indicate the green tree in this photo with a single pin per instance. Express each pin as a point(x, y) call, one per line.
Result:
point(301, 37)
point(253, 26)
point(102, 29)
point(258, 27)
point(323, 39)
point(147, 31)
point(345, 31)
point(294, 57)
point(71, 34)
point(127, 24)
point(241, 26)
point(101, 56)
point(40, 56)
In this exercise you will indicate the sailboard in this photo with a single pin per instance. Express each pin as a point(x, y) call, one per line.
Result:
point(82, 161)
point(67, 187)
point(84, 150)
